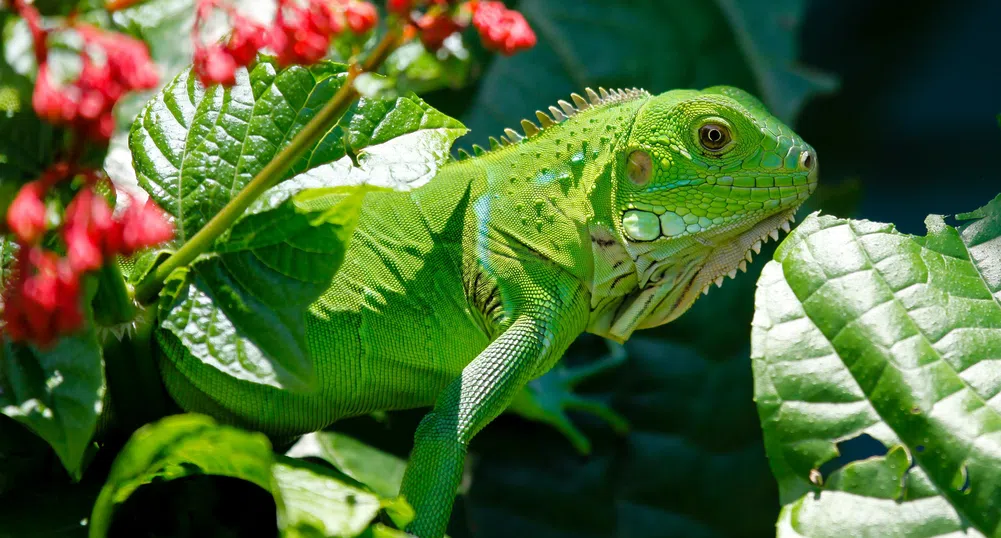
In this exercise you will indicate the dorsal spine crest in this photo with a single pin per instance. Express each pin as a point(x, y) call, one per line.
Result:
point(558, 115)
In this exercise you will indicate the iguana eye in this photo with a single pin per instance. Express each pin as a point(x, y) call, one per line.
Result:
point(639, 167)
point(714, 137)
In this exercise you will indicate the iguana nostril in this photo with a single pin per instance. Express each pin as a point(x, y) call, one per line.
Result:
point(807, 160)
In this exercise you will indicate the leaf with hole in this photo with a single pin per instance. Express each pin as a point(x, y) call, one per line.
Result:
point(861, 330)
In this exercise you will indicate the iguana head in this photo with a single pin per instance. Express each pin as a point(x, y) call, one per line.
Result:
point(702, 179)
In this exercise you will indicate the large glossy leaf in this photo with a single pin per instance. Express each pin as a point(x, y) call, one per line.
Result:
point(863, 332)
point(193, 148)
point(655, 45)
point(240, 308)
point(57, 392)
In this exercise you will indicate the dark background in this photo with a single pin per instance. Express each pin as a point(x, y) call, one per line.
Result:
point(915, 116)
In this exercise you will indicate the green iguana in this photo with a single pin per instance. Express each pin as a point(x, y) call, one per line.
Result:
point(612, 217)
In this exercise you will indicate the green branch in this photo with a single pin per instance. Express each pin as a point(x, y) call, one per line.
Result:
point(269, 176)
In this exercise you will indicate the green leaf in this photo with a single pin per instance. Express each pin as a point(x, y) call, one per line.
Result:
point(242, 310)
point(312, 500)
point(862, 330)
point(398, 144)
point(8, 249)
point(658, 46)
point(56, 392)
point(194, 149)
point(179, 446)
point(381, 471)
point(15, 87)
point(417, 69)
point(983, 239)
point(18, 49)
point(158, 23)
point(315, 502)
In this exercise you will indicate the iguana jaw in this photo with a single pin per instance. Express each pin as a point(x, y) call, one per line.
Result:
point(674, 282)
point(734, 254)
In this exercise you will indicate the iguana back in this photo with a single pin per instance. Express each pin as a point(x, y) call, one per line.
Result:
point(416, 299)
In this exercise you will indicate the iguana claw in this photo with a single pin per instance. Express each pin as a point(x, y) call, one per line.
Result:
point(548, 398)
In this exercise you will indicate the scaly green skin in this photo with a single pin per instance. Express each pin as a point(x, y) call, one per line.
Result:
point(459, 293)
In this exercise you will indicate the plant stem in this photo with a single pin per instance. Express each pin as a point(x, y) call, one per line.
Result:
point(270, 175)
point(112, 302)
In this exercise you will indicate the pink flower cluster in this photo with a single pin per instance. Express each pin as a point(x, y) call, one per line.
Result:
point(112, 65)
point(42, 299)
point(501, 29)
point(301, 34)
point(303, 29)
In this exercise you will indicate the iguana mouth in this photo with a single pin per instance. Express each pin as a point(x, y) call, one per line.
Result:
point(669, 285)
point(734, 255)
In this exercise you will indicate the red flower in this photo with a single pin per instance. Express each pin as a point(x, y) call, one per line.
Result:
point(435, 29)
point(361, 16)
point(92, 234)
point(214, 65)
point(90, 231)
point(247, 38)
point(400, 7)
point(502, 29)
point(127, 59)
point(26, 214)
point(302, 34)
point(42, 299)
point(144, 225)
point(217, 63)
point(112, 65)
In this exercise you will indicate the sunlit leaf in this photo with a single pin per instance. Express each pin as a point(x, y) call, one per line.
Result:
point(862, 331)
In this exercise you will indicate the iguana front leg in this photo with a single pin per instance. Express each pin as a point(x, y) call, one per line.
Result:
point(548, 398)
point(541, 331)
